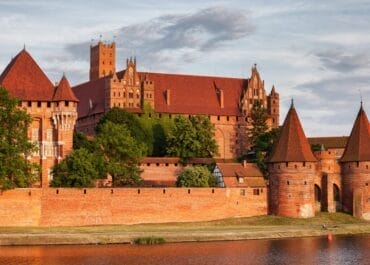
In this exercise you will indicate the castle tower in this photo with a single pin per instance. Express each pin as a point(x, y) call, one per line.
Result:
point(53, 110)
point(148, 92)
point(355, 164)
point(102, 60)
point(273, 107)
point(254, 93)
point(291, 171)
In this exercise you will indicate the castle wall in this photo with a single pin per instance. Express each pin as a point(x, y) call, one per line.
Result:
point(329, 180)
point(292, 189)
point(79, 207)
point(160, 174)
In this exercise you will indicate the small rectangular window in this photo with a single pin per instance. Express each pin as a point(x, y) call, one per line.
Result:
point(256, 192)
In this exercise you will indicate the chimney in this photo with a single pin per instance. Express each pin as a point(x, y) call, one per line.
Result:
point(168, 97)
point(221, 98)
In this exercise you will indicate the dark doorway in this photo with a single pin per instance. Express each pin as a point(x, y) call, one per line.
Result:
point(336, 198)
point(317, 198)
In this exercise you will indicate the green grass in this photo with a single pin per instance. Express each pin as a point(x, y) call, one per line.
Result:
point(150, 240)
point(330, 219)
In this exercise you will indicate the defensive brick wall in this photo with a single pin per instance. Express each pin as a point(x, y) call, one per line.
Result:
point(79, 207)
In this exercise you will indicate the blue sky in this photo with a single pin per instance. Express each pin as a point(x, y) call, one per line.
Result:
point(317, 52)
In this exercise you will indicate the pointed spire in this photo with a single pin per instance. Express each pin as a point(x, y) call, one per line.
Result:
point(273, 90)
point(358, 144)
point(64, 91)
point(292, 103)
point(24, 46)
point(25, 80)
point(292, 145)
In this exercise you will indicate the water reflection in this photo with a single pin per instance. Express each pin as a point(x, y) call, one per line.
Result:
point(341, 250)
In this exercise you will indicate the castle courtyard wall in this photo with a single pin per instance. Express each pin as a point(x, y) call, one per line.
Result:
point(105, 206)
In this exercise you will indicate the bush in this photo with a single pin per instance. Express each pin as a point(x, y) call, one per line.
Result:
point(150, 240)
point(197, 176)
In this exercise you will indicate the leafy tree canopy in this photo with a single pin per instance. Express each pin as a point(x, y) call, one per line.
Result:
point(121, 153)
point(76, 170)
point(142, 134)
point(258, 122)
point(192, 137)
point(261, 138)
point(196, 176)
point(15, 169)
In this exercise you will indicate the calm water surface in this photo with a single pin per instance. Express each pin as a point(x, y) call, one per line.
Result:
point(341, 250)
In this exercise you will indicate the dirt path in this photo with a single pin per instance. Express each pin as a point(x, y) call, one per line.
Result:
point(44, 237)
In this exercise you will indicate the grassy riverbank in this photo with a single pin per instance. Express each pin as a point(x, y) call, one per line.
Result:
point(227, 229)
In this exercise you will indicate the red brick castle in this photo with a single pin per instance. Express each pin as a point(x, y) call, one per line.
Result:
point(226, 101)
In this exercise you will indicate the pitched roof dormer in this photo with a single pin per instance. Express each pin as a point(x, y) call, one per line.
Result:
point(358, 144)
point(292, 145)
point(25, 80)
point(63, 92)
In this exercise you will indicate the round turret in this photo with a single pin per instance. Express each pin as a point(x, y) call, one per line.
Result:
point(292, 170)
point(355, 165)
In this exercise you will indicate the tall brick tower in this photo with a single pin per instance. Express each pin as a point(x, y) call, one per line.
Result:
point(102, 60)
point(273, 107)
point(355, 164)
point(291, 171)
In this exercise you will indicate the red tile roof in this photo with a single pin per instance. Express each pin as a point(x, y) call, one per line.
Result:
point(196, 94)
point(329, 142)
point(63, 91)
point(292, 145)
point(251, 174)
point(25, 80)
point(189, 94)
point(91, 97)
point(358, 145)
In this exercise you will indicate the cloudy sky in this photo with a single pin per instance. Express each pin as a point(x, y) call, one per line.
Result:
point(317, 52)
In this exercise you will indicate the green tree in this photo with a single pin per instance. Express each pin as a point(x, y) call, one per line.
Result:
point(258, 122)
point(205, 134)
point(182, 140)
point(262, 148)
point(15, 169)
point(76, 170)
point(80, 140)
point(196, 176)
point(121, 153)
point(140, 133)
point(192, 137)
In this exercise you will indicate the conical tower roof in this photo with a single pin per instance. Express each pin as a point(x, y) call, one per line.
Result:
point(358, 144)
point(292, 145)
point(63, 91)
point(25, 80)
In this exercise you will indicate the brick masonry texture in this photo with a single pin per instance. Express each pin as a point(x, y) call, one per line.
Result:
point(81, 207)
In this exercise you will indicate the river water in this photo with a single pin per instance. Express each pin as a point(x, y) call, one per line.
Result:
point(316, 250)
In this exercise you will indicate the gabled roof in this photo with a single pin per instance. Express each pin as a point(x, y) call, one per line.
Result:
point(91, 97)
point(63, 92)
point(251, 174)
point(189, 94)
point(329, 142)
point(25, 80)
point(292, 145)
point(196, 94)
point(358, 145)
